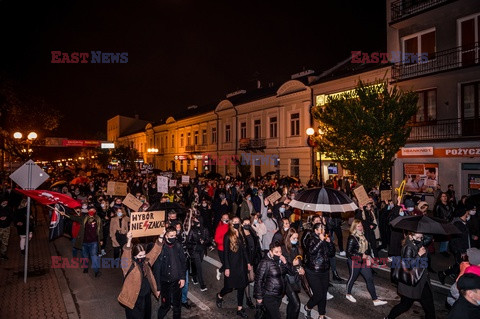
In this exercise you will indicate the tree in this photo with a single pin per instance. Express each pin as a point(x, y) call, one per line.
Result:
point(363, 129)
point(126, 156)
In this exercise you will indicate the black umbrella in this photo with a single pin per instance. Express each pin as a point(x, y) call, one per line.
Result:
point(288, 180)
point(323, 199)
point(168, 206)
point(425, 225)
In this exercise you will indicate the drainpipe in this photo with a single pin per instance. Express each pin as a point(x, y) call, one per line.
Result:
point(236, 139)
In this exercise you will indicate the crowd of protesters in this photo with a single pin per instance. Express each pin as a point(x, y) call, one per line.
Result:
point(258, 241)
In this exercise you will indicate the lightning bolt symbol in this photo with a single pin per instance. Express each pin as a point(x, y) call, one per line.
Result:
point(145, 226)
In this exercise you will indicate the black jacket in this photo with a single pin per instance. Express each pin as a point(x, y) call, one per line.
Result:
point(410, 251)
point(198, 239)
point(319, 253)
point(444, 212)
point(353, 246)
point(170, 266)
point(8, 214)
point(459, 244)
point(270, 278)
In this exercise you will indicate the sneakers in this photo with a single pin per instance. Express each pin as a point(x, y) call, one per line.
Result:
point(351, 298)
point(329, 296)
point(219, 301)
point(241, 313)
point(195, 281)
point(379, 302)
point(203, 288)
point(219, 274)
point(342, 253)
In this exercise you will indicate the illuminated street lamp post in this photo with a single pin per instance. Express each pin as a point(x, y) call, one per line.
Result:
point(311, 142)
point(28, 141)
point(153, 152)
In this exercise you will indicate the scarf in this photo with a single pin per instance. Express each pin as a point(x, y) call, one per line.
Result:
point(362, 241)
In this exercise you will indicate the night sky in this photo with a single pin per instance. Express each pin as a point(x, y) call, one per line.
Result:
point(179, 52)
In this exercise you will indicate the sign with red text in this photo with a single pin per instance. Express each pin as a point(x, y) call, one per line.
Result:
point(144, 224)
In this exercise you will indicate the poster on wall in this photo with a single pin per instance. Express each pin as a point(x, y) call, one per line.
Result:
point(473, 184)
point(421, 178)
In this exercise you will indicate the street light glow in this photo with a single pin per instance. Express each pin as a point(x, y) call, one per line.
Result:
point(32, 135)
point(310, 131)
point(17, 135)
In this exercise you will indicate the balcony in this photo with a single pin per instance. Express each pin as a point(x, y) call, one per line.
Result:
point(252, 144)
point(402, 9)
point(196, 148)
point(446, 60)
point(190, 148)
point(444, 130)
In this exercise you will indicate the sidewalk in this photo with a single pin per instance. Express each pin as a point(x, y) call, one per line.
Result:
point(41, 296)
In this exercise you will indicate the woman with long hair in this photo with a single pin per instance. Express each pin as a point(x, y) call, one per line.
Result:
point(254, 253)
point(359, 262)
point(237, 264)
point(292, 251)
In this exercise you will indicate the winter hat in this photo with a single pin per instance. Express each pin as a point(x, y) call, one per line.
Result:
point(473, 270)
point(468, 282)
point(473, 256)
point(409, 203)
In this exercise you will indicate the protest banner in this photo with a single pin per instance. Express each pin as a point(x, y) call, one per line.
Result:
point(162, 184)
point(386, 195)
point(185, 179)
point(192, 173)
point(116, 188)
point(172, 183)
point(144, 224)
point(361, 196)
point(274, 197)
point(132, 202)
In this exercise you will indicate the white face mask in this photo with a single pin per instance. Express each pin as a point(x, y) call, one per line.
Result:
point(468, 218)
point(401, 213)
point(472, 212)
point(410, 209)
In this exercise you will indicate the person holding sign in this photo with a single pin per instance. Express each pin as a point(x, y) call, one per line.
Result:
point(138, 278)
point(170, 273)
point(118, 231)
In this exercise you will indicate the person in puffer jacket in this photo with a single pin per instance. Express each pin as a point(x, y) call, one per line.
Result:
point(269, 285)
point(320, 250)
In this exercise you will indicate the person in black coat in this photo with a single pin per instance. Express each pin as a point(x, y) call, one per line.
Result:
point(20, 221)
point(468, 304)
point(413, 249)
point(198, 240)
point(396, 235)
point(237, 264)
point(270, 280)
point(254, 252)
point(320, 250)
point(292, 250)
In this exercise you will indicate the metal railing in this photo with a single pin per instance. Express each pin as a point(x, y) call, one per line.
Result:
point(249, 143)
point(190, 148)
point(445, 60)
point(444, 129)
point(404, 8)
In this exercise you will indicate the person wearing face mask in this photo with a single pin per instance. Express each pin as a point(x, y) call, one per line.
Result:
point(359, 261)
point(106, 215)
point(237, 264)
point(220, 232)
point(468, 304)
point(473, 224)
point(458, 245)
point(6, 217)
point(118, 231)
point(368, 216)
point(271, 226)
point(291, 250)
point(281, 233)
point(205, 211)
point(198, 239)
point(246, 207)
point(89, 238)
point(422, 291)
point(139, 280)
point(170, 274)
point(320, 250)
point(254, 253)
point(270, 285)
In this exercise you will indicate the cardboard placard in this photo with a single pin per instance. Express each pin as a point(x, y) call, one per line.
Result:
point(361, 196)
point(192, 173)
point(116, 188)
point(144, 224)
point(272, 198)
point(172, 183)
point(132, 202)
point(185, 179)
point(386, 195)
point(115, 173)
point(162, 184)
point(89, 174)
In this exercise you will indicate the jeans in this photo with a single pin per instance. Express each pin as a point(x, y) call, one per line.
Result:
point(185, 289)
point(319, 283)
point(171, 294)
point(406, 303)
point(272, 305)
point(91, 250)
point(366, 273)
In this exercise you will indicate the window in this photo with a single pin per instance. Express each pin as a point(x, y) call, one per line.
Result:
point(204, 137)
point(189, 135)
point(470, 97)
point(257, 129)
point(214, 135)
point(243, 130)
point(295, 124)
point(427, 106)
point(181, 140)
point(295, 167)
point(468, 37)
point(417, 45)
point(273, 127)
point(195, 138)
point(173, 141)
point(227, 133)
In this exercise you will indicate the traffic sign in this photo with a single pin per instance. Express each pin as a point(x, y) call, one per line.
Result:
point(29, 175)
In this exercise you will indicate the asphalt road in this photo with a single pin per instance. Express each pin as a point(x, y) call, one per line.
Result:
point(96, 297)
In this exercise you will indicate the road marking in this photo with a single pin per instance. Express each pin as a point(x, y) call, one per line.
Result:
point(197, 302)
point(212, 261)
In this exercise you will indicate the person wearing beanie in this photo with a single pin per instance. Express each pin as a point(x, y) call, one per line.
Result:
point(468, 304)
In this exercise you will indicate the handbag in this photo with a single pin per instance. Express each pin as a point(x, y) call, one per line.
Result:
point(294, 282)
point(405, 275)
point(251, 275)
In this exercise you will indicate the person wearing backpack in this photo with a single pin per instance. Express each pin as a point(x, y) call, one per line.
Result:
point(138, 278)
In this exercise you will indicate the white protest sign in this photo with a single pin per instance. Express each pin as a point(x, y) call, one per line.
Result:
point(162, 184)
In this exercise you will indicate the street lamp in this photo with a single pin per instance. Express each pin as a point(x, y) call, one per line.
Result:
point(28, 141)
point(311, 142)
